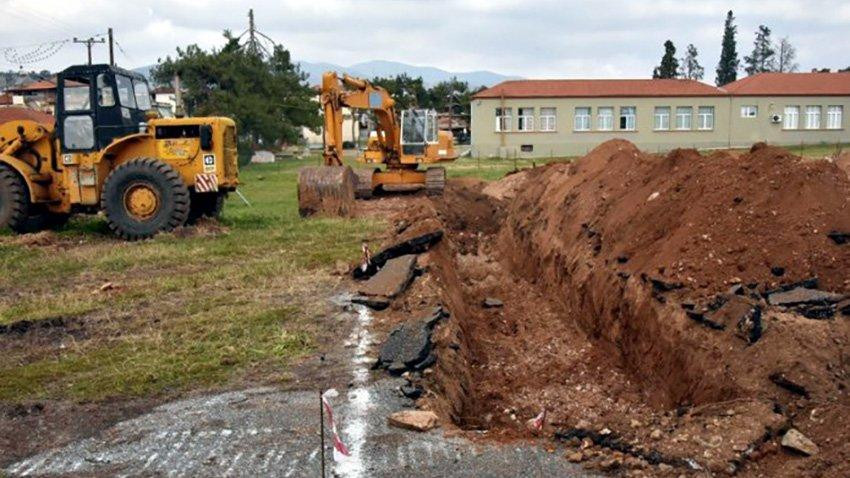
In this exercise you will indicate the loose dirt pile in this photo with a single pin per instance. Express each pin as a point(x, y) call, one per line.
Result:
point(635, 312)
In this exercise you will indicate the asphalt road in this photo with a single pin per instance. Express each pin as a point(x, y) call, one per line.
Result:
point(272, 432)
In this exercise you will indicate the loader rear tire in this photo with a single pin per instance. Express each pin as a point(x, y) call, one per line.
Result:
point(15, 203)
point(205, 205)
point(143, 197)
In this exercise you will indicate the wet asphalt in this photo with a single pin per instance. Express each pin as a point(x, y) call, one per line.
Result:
point(273, 432)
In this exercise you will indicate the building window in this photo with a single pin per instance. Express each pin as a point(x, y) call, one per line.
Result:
point(705, 117)
point(662, 118)
point(605, 118)
point(683, 117)
point(582, 119)
point(834, 116)
point(749, 111)
point(627, 118)
point(525, 119)
point(503, 119)
point(547, 119)
point(791, 119)
point(812, 117)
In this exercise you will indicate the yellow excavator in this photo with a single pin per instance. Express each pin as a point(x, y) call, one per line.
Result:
point(401, 143)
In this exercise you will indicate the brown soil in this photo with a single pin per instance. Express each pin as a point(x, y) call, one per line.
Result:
point(843, 162)
point(584, 335)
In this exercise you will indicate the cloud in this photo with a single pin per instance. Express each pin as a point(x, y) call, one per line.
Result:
point(547, 38)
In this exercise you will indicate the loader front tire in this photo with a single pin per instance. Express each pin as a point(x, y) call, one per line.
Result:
point(14, 201)
point(143, 197)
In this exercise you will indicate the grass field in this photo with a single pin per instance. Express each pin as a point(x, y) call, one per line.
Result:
point(185, 312)
point(208, 308)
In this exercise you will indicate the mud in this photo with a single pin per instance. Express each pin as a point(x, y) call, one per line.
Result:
point(597, 264)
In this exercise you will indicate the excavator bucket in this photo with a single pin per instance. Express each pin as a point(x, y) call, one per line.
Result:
point(326, 190)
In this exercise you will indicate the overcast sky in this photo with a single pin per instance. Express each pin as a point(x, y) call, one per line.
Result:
point(533, 39)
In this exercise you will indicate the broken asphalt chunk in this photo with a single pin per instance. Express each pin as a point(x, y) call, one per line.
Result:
point(417, 245)
point(374, 303)
point(409, 346)
point(839, 238)
point(782, 381)
point(802, 295)
point(392, 279)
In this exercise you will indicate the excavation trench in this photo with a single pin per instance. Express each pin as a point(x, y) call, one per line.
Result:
point(597, 282)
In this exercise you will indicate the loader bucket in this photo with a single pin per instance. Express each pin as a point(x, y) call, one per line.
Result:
point(326, 191)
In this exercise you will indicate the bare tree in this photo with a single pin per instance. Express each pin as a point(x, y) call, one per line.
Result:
point(785, 56)
point(689, 67)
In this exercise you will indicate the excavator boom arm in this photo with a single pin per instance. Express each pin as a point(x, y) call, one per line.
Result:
point(356, 93)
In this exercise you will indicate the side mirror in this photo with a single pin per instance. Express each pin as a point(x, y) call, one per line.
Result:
point(206, 137)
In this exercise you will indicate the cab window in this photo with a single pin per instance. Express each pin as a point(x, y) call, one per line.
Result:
point(105, 93)
point(76, 96)
point(126, 95)
point(143, 95)
point(78, 132)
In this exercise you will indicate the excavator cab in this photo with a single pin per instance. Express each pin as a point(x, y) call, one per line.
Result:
point(418, 129)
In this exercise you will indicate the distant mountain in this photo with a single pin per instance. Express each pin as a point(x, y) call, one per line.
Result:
point(371, 69)
point(429, 74)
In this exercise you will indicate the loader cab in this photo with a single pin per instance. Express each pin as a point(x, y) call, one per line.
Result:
point(95, 104)
point(418, 129)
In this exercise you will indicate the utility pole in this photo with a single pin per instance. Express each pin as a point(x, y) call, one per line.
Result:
point(89, 42)
point(111, 50)
point(252, 33)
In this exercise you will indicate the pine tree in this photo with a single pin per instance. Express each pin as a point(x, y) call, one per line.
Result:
point(785, 59)
point(727, 68)
point(669, 66)
point(690, 67)
point(763, 57)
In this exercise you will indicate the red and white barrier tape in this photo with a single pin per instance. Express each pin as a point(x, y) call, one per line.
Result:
point(340, 450)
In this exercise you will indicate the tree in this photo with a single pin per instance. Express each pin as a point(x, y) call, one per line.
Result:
point(787, 53)
point(763, 57)
point(408, 92)
point(669, 66)
point(449, 93)
point(727, 67)
point(267, 95)
point(690, 67)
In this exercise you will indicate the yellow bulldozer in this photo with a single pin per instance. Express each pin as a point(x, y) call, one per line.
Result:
point(108, 151)
point(400, 143)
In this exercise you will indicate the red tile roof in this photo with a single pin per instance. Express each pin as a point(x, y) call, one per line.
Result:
point(14, 113)
point(598, 89)
point(5, 99)
point(41, 85)
point(792, 84)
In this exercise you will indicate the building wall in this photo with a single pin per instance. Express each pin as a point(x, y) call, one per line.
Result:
point(730, 130)
point(746, 131)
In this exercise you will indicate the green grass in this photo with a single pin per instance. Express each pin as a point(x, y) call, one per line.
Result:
point(205, 310)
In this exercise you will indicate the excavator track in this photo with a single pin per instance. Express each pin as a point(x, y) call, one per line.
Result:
point(435, 181)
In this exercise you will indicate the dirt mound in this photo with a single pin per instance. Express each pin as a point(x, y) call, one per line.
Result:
point(843, 162)
point(604, 266)
point(507, 187)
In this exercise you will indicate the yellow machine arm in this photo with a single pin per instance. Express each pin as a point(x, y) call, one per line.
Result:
point(355, 93)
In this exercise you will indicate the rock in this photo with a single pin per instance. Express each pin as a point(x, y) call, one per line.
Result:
point(653, 196)
point(839, 238)
point(392, 279)
point(374, 303)
point(416, 420)
point(409, 346)
point(491, 303)
point(635, 424)
point(843, 307)
point(661, 286)
point(803, 296)
point(798, 442)
point(605, 431)
point(777, 271)
point(576, 457)
point(417, 245)
point(655, 434)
